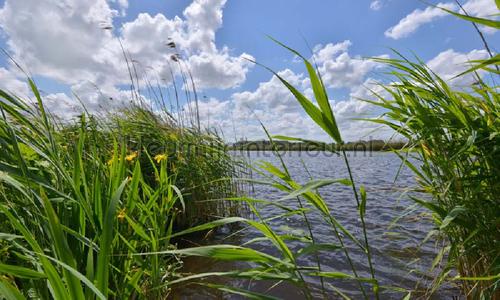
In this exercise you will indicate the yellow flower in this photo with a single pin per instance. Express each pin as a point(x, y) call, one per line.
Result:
point(121, 214)
point(131, 156)
point(110, 162)
point(160, 157)
point(173, 136)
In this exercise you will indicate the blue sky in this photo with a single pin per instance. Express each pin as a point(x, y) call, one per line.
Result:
point(62, 44)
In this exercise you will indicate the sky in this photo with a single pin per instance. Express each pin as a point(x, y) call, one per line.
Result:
point(73, 49)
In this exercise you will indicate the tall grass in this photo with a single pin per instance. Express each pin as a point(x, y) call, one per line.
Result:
point(456, 135)
point(80, 202)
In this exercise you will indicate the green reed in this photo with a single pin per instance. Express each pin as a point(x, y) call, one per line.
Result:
point(456, 137)
point(79, 201)
point(455, 133)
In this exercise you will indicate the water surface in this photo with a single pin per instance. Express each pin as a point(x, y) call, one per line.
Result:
point(395, 232)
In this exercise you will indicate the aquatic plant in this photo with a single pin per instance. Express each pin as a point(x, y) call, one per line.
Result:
point(455, 132)
point(81, 201)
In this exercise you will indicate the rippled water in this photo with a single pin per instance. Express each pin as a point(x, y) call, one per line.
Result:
point(399, 257)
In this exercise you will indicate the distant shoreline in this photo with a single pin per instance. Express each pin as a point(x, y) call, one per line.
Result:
point(360, 146)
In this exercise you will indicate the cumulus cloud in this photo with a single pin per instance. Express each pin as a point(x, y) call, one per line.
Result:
point(219, 70)
point(10, 82)
point(122, 5)
point(59, 39)
point(325, 53)
point(152, 40)
point(482, 9)
point(450, 63)
point(270, 102)
point(276, 107)
point(273, 104)
point(62, 106)
point(417, 18)
point(73, 41)
point(270, 95)
point(338, 68)
point(213, 113)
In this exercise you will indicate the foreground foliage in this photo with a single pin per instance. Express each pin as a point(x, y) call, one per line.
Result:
point(456, 134)
point(457, 137)
point(81, 202)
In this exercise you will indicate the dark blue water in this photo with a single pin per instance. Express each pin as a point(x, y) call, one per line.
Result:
point(396, 228)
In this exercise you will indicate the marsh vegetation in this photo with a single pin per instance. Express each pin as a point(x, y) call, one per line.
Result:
point(95, 208)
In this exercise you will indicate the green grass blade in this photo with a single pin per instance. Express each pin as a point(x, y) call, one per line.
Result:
point(80, 277)
point(20, 272)
point(340, 275)
point(9, 291)
point(54, 278)
point(62, 249)
point(486, 22)
point(313, 185)
point(319, 93)
point(209, 225)
point(274, 238)
point(224, 252)
point(362, 206)
point(105, 241)
point(238, 291)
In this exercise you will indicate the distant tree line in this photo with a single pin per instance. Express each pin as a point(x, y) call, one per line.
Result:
point(265, 145)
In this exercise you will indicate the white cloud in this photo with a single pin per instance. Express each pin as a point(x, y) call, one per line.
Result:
point(339, 69)
point(147, 39)
point(71, 41)
point(11, 83)
point(62, 106)
point(417, 18)
point(102, 98)
point(482, 9)
point(273, 104)
point(219, 70)
point(270, 95)
point(59, 39)
point(450, 63)
point(376, 5)
point(213, 112)
point(122, 4)
point(325, 53)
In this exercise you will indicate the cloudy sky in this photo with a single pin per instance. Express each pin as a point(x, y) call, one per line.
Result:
point(73, 48)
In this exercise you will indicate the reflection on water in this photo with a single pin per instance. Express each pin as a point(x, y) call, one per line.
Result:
point(399, 257)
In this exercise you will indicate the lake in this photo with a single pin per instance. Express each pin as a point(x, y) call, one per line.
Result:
point(395, 233)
